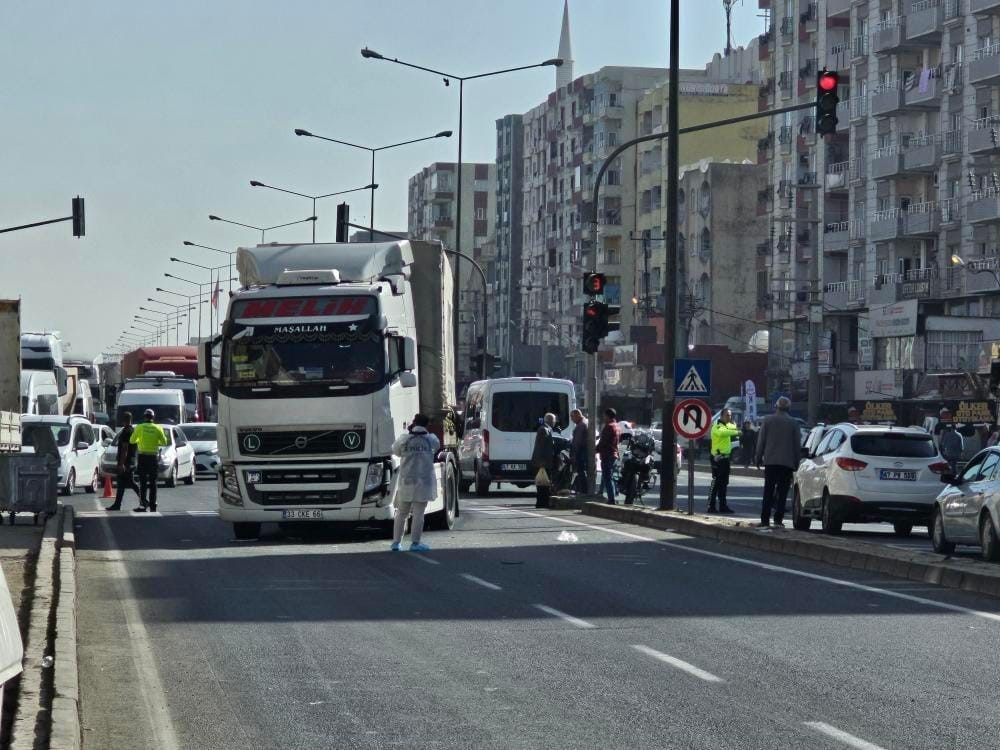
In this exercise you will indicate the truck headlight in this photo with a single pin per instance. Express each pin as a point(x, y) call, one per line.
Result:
point(230, 486)
point(376, 472)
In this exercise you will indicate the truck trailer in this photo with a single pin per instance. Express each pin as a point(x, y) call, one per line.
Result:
point(327, 353)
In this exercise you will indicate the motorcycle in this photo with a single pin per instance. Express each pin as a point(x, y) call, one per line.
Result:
point(637, 467)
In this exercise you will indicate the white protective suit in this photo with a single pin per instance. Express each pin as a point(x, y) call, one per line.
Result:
point(416, 481)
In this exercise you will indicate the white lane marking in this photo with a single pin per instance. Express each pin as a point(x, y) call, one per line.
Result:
point(563, 616)
point(154, 696)
point(428, 560)
point(481, 582)
point(780, 569)
point(129, 514)
point(673, 661)
point(838, 734)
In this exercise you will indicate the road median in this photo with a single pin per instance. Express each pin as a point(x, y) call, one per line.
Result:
point(927, 567)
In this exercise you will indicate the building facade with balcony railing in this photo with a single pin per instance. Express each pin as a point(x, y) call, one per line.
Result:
point(910, 179)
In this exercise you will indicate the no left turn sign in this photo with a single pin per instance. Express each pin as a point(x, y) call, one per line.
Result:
point(692, 418)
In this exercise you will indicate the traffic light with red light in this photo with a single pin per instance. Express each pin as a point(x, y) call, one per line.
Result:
point(593, 284)
point(594, 318)
point(826, 101)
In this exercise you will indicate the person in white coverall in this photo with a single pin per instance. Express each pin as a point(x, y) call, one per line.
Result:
point(416, 483)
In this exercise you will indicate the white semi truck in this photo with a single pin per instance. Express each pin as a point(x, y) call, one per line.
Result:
point(327, 353)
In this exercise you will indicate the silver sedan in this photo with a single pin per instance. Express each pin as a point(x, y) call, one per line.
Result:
point(966, 511)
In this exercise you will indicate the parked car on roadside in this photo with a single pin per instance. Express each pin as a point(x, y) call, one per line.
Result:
point(80, 450)
point(863, 474)
point(202, 437)
point(966, 511)
point(175, 460)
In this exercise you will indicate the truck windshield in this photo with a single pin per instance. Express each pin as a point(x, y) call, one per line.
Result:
point(334, 356)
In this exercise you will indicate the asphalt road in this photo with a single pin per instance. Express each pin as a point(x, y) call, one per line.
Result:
point(519, 629)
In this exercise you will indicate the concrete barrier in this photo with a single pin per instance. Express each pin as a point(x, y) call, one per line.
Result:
point(927, 567)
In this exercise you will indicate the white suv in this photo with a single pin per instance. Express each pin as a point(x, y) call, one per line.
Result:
point(861, 474)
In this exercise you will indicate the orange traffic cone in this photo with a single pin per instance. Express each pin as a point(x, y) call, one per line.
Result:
point(108, 492)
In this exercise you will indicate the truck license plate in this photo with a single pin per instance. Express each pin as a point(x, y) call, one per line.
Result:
point(906, 476)
point(302, 515)
point(513, 467)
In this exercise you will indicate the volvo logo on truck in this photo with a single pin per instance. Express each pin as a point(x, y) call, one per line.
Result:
point(251, 443)
point(352, 440)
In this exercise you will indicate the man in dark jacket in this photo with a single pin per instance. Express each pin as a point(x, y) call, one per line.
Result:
point(125, 463)
point(778, 449)
point(607, 450)
point(543, 458)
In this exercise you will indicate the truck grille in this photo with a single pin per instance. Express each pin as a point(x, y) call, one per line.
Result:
point(301, 442)
point(307, 495)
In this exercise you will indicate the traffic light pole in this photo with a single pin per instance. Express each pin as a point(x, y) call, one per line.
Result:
point(77, 218)
point(668, 487)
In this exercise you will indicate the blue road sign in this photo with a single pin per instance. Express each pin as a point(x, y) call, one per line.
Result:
point(692, 377)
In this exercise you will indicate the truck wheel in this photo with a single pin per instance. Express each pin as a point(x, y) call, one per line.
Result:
point(482, 483)
point(444, 520)
point(172, 479)
point(70, 487)
point(246, 530)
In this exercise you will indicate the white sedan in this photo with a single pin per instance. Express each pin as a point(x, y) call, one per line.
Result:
point(175, 460)
point(968, 508)
point(202, 437)
point(861, 474)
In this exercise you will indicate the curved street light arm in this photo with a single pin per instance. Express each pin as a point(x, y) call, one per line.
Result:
point(257, 183)
point(415, 140)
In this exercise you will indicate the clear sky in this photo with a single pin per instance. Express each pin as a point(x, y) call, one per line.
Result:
point(159, 113)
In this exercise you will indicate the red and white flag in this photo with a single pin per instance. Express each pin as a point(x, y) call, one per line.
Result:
point(215, 296)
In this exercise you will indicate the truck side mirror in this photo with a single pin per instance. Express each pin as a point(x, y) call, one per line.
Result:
point(409, 354)
point(205, 359)
point(407, 379)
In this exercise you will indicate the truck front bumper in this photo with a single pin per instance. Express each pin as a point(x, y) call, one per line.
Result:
point(348, 492)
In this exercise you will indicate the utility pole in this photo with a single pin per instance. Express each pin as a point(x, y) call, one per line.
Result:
point(646, 299)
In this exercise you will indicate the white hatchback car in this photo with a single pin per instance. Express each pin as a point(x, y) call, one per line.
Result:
point(80, 450)
point(862, 474)
point(202, 437)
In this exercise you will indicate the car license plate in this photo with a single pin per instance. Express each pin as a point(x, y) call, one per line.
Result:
point(513, 467)
point(302, 515)
point(896, 474)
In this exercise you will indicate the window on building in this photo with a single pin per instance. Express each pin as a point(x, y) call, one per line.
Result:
point(480, 213)
point(613, 290)
point(705, 250)
point(612, 256)
point(952, 350)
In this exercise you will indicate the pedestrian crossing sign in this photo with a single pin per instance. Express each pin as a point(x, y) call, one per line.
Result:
point(692, 377)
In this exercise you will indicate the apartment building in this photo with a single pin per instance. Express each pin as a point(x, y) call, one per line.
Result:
point(507, 299)
point(432, 211)
point(886, 232)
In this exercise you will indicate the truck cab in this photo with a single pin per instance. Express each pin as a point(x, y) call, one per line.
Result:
point(319, 373)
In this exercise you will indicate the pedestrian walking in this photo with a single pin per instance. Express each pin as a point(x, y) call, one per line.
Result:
point(578, 452)
point(951, 444)
point(416, 483)
point(124, 463)
point(748, 443)
point(543, 461)
point(778, 450)
point(148, 437)
point(723, 433)
point(607, 451)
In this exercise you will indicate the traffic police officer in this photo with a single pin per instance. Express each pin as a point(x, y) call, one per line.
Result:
point(148, 437)
point(723, 433)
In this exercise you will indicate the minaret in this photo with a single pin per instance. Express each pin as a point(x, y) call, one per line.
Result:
point(564, 73)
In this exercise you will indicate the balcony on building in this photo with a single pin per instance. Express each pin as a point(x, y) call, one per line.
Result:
point(787, 30)
point(978, 276)
point(887, 99)
point(843, 295)
point(836, 238)
point(925, 91)
point(837, 8)
point(785, 137)
point(983, 207)
point(984, 137)
point(982, 7)
point(922, 154)
point(925, 22)
point(858, 231)
point(837, 177)
point(785, 83)
point(922, 219)
point(984, 67)
point(809, 18)
point(886, 225)
point(888, 35)
point(857, 108)
point(886, 162)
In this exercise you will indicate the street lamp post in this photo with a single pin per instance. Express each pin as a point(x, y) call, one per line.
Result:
point(959, 261)
point(373, 55)
point(195, 283)
point(227, 253)
point(213, 284)
point(373, 150)
point(188, 297)
point(262, 230)
point(370, 186)
point(187, 308)
point(152, 331)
